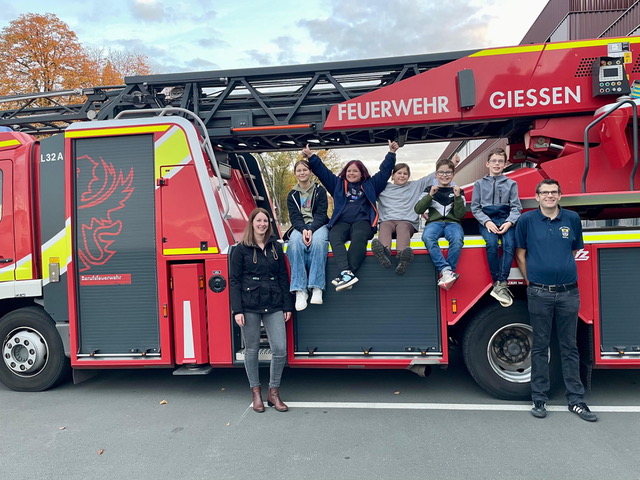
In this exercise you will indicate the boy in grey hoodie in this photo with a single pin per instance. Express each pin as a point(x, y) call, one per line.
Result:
point(495, 204)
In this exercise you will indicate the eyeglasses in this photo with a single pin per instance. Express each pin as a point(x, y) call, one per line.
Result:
point(553, 193)
point(444, 174)
point(499, 161)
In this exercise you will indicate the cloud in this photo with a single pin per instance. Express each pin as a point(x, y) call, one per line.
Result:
point(354, 30)
point(148, 10)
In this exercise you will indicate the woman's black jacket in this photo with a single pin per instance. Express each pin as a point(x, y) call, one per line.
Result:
point(258, 279)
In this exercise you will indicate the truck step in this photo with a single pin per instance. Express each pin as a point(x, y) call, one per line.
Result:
point(193, 370)
point(264, 354)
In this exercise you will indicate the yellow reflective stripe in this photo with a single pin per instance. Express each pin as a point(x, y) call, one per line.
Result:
point(188, 251)
point(6, 274)
point(590, 43)
point(104, 132)
point(508, 50)
point(24, 268)
point(57, 247)
point(552, 46)
point(171, 149)
point(10, 143)
point(611, 237)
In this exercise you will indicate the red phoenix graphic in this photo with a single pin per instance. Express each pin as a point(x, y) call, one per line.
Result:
point(105, 193)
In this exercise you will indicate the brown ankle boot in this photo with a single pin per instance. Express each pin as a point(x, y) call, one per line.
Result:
point(273, 400)
point(258, 406)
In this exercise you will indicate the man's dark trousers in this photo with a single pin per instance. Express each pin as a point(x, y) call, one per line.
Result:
point(544, 308)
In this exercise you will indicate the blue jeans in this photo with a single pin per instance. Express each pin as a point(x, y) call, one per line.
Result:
point(545, 308)
point(274, 325)
point(499, 266)
point(454, 234)
point(311, 259)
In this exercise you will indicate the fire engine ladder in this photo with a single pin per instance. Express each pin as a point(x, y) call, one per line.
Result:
point(250, 110)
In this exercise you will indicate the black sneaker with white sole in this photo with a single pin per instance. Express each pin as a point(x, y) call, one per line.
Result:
point(539, 409)
point(583, 412)
point(347, 281)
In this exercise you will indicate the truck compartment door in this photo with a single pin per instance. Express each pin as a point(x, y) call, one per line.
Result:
point(115, 247)
point(7, 237)
point(383, 314)
point(189, 316)
point(618, 280)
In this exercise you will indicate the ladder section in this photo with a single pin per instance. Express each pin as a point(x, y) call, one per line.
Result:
point(244, 110)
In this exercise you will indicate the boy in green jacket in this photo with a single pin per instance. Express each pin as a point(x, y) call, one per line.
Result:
point(447, 207)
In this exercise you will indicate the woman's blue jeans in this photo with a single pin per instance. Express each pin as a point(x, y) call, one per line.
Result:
point(276, 333)
point(308, 264)
point(454, 234)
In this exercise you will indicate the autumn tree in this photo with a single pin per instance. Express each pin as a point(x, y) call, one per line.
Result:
point(279, 177)
point(114, 65)
point(40, 53)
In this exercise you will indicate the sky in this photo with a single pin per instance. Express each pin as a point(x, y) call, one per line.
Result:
point(200, 35)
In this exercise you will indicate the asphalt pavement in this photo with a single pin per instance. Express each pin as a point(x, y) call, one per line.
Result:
point(342, 424)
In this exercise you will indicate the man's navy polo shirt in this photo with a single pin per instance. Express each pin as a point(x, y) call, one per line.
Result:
point(549, 245)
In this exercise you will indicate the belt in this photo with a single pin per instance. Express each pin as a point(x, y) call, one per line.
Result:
point(555, 288)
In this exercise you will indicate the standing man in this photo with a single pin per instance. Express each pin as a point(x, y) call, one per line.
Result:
point(546, 243)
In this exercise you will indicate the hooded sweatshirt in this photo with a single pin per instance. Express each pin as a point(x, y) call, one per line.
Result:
point(495, 198)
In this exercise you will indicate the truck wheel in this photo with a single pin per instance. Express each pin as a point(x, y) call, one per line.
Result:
point(497, 351)
point(33, 357)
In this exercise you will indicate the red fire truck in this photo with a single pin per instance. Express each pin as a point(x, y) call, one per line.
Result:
point(115, 233)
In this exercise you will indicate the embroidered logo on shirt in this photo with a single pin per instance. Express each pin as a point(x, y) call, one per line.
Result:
point(564, 231)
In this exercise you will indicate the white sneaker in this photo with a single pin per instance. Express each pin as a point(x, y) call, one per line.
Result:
point(316, 296)
point(447, 279)
point(301, 300)
point(502, 293)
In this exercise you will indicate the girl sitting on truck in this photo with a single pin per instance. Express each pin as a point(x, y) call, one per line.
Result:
point(308, 240)
point(355, 215)
point(395, 204)
point(259, 292)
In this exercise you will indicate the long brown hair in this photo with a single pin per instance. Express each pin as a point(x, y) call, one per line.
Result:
point(248, 237)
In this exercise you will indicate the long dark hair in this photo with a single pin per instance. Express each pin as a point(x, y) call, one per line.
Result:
point(360, 166)
point(248, 237)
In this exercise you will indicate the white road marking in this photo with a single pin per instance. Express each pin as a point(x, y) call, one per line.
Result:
point(458, 406)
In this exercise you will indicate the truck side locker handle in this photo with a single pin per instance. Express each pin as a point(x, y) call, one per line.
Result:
point(6, 260)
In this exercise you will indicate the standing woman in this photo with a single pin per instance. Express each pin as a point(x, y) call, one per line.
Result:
point(307, 250)
point(397, 216)
point(259, 291)
point(355, 215)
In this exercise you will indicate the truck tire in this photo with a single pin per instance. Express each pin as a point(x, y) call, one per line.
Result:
point(33, 358)
point(497, 352)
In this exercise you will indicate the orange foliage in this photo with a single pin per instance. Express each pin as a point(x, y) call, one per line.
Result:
point(40, 53)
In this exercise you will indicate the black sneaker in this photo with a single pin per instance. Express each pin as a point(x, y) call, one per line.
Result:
point(380, 253)
point(347, 281)
point(404, 259)
point(539, 409)
point(583, 412)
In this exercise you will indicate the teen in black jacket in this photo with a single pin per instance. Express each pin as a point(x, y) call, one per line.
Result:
point(259, 292)
point(309, 238)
